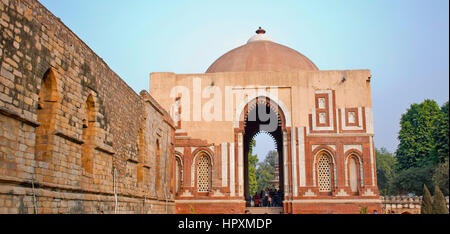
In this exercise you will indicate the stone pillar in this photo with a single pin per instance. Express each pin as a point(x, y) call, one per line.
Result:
point(294, 163)
point(240, 165)
point(232, 170)
point(285, 165)
point(224, 164)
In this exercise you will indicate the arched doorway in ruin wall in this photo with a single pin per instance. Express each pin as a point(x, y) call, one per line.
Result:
point(255, 117)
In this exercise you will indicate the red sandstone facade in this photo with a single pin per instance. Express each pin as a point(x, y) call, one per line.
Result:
point(74, 138)
point(324, 135)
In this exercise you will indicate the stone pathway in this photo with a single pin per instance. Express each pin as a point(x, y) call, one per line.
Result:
point(265, 210)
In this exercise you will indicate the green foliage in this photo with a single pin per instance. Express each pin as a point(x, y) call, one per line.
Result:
point(422, 155)
point(412, 180)
point(441, 176)
point(440, 133)
point(252, 161)
point(416, 135)
point(266, 171)
point(439, 206)
point(363, 210)
point(426, 206)
point(386, 163)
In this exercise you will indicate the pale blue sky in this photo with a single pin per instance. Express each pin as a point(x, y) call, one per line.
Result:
point(405, 43)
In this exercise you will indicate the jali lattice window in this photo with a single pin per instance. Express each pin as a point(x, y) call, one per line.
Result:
point(203, 174)
point(324, 173)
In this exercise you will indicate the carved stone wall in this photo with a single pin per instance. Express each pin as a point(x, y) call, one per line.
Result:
point(73, 134)
point(403, 204)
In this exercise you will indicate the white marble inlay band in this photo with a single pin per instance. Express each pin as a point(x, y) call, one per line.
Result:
point(224, 164)
point(294, 163)
point(372, 161)
point(240, 165)
point(301, 154)
point(285, 162)
point(232, 170)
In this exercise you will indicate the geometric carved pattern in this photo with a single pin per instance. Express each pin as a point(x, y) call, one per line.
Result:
point(322, 117)
point(322, 103)
point(324, 173)
point(203, 174)
point(352, 117)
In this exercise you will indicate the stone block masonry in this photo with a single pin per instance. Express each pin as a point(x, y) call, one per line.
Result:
point(73, 134)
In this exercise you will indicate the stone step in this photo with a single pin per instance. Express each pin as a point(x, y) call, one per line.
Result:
point(265, 210)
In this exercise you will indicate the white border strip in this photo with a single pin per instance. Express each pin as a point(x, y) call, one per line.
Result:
point(224, 164)
point(294, 163)
point(301, 154)
point(232, 170)
point(372, 162)
point(241, 164)
point(285, 162)
point(369, 120)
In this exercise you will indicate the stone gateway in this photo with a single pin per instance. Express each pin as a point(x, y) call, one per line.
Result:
point(321, 122)
point(75, 138)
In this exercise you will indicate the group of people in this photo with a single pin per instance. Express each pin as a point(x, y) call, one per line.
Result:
point(267, 198)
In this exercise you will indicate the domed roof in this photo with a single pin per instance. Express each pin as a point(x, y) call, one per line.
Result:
point(261, 54)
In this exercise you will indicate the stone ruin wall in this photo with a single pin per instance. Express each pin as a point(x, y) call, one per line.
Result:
point(90, 123)
point(403, 204)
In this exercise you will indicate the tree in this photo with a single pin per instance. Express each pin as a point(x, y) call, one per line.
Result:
point(412, 180)
point(416, 136)
point(426, 206)
point(252, 161)
point(441, 151)
point(441, 176)
point(440, 134)
point(439, 205)
point(266, 171)
point(386, 163)
point(423, 152)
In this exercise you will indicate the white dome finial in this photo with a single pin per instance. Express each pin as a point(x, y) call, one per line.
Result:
point(260, 36)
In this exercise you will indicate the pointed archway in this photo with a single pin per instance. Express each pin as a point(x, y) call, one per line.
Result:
point(261, 114)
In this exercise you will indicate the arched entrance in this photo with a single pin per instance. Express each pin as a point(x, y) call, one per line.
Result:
point(262, 115)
